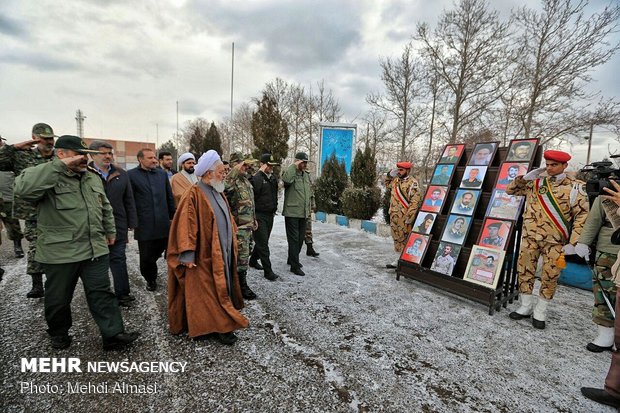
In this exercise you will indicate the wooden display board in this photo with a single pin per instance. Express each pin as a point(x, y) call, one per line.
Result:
point(465, 213)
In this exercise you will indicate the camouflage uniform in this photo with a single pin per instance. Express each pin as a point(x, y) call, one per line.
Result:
point(541, 236)
point(598, 228)
point(241, 199)
point(13, 228)
point(15, 160)
point(401, 217)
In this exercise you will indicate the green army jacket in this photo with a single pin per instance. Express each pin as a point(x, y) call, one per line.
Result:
point(16, 161)
point(241, 199)
point(74, 215)
point(297, 193)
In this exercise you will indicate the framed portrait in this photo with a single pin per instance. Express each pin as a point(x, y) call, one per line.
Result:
point(484, 266)
point(465, 201)
point(521, 150)
point(443, 174)
point(495, 233)
point(456, 229)
point(416, 248)
point(445, 258)
point(434, 198)
point(473, 177)
point(508, 172)
point(424, 222)
point(483, 153)
point(504, 206)
point(452, 154)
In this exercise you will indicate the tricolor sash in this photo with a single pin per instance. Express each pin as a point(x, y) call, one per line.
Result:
point(401, 196)
point(550, 206)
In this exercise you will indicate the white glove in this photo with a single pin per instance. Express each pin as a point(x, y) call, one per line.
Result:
point(569, 249)
point(582, 250)
point(530, 176)
point(393, 172)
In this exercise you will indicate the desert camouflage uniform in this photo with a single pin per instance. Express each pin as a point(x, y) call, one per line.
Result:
point(541, 236)
point(401, 218)
point(240, 196)
point(15, 160)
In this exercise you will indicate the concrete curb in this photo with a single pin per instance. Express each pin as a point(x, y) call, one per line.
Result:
point(382, 230)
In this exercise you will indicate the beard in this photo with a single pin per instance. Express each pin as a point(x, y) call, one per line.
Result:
point(217, 185)
point(190, 170)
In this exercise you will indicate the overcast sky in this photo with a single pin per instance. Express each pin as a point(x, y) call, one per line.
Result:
point(126, 63)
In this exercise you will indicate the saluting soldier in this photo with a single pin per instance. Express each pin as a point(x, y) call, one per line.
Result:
point(405, 201)
point(240, 196)
point(556, 210)
point(16, 158)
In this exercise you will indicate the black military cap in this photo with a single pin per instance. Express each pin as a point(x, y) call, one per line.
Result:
point(73, 143)
point(268, 159)
point(301, 156)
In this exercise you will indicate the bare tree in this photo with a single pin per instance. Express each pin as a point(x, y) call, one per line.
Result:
point(561, 47)
point(467, 49)
point(323, 107)
point(402, 87)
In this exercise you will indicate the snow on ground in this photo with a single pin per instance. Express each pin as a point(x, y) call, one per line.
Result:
point(347, 337)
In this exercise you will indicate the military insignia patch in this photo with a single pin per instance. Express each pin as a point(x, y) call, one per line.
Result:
point(582, 189)
point(542, 190)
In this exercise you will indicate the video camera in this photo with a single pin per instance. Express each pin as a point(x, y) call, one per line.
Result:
point(602, 173)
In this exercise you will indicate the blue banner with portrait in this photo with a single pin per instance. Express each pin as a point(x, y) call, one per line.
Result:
point(339, 141)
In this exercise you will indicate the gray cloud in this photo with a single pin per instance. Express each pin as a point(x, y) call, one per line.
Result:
point(40, 61)
point(296, 35)
point(191, 106)
point(12, 27)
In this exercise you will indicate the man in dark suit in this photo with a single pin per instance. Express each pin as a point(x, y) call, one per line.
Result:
point(155, 206)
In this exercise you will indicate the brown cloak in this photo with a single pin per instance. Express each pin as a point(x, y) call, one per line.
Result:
point(179, 184)
point(198, 300)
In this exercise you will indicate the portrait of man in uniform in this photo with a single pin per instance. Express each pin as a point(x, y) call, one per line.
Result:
point(445, 258)
point(442, 175)
point(473, 177)
point(452, 154)
point(509, 172)
point(495, 233)
point(484, 265)
point(465, 201)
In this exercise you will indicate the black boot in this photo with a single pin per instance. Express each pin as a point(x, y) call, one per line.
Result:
point(310, 251)
point(1, 273)
point(17, 247)
point(245, 290)
point(37, 287)
point(255, 264)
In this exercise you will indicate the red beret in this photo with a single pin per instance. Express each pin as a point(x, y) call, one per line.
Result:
point(558, 156)
point(405, 165)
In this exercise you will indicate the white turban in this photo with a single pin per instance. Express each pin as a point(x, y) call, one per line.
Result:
point(185, 157)
point(206, 162)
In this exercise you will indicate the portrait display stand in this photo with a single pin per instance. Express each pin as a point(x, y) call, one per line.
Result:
point(506, 284)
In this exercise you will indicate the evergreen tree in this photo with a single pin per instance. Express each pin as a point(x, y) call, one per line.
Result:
point(213, 140)
point(329, 187)
point(195, 134)
point(364, 169)
point(269, 129)
point(169, 147)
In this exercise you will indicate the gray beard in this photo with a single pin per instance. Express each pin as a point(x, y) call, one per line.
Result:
point(218, 186)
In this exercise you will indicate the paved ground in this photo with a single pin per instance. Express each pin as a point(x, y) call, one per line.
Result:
point(347, 337)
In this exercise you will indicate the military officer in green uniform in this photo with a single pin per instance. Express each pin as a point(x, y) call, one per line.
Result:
point(16, 158)
point(75, 226)
point(241, 199)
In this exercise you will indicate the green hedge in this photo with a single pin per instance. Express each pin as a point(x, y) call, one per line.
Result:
point(361, 203)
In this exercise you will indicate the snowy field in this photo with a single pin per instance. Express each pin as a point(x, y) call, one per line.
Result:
point(347, 337)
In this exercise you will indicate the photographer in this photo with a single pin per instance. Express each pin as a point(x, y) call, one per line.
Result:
point(598, 227)
point(610, 395)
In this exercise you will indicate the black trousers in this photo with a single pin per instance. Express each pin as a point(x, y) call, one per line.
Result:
point(118, 266)
point(60, 283)
point(261, 240)
point(150, 251)
point(295, 234)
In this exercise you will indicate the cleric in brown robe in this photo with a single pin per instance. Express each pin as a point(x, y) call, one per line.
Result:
point(203, 286)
